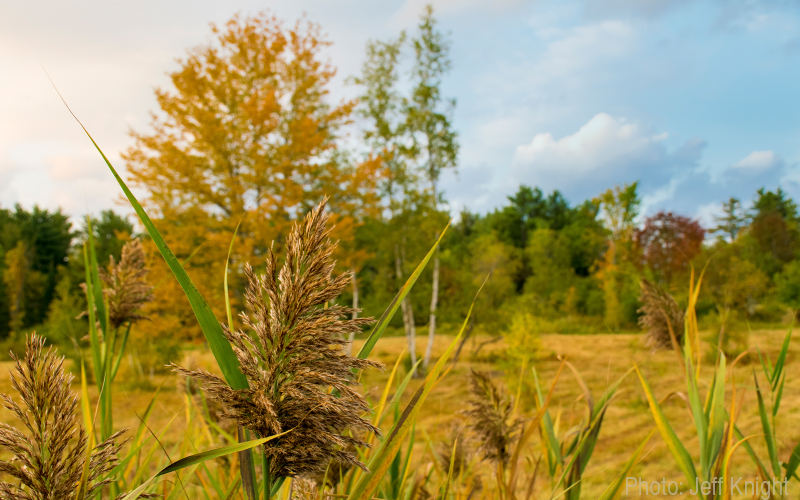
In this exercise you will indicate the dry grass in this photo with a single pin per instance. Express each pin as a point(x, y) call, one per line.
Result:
point(600, 358)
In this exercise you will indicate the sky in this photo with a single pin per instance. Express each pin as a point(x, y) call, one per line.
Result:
point(695, 100)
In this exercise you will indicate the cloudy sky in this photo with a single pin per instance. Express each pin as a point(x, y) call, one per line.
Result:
point(696, 100)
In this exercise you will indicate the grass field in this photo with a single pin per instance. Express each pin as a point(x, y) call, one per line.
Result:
point(600, 358)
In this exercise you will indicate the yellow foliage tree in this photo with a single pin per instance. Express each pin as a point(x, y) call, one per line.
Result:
point(247, 129)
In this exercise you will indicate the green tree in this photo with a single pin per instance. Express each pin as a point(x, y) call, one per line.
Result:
point(732, 220)
point(787, 285)
point(381, 107)
point(620, 207)
point(434, 145)
point(772, 238)
point(551, 270)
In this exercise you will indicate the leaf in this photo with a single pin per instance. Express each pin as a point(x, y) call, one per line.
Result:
point(794, 461)
point(781, 361)
point(87, 422)
point(614, 490)
point(247, 465)
point(390, 311)
point(220, 347)
point(368, 483)
point(199, 458)
point(528, 433)
point(767, 428)
point(450, 471)
point(674, 444)
point(716, 417)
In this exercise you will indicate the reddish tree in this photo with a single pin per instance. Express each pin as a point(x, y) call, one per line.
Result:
point(668, 242)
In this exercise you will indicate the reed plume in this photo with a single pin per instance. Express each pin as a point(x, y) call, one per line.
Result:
point(300, 374)
point(490, 419)
point(453, 450)
point(660, 313)
point(45, 465)
point(125, 285)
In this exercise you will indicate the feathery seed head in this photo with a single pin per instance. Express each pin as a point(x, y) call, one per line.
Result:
point(489, 413)
point(300, 375)
point(660, 311)
point(44, 465)
point(125, 285)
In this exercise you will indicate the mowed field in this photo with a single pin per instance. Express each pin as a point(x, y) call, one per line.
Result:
point(601, 359)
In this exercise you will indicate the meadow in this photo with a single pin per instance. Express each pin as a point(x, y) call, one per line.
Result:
point(601, 357)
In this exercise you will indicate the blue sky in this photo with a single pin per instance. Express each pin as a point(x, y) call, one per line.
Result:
point(696, 100)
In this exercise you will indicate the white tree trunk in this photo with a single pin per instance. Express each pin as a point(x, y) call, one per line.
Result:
point(434, 302)
point(434, 294)
point(408, 314)
point(354, 279)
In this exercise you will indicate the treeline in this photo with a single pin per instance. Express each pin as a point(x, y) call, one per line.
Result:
point(247, 140)
point(573, 268)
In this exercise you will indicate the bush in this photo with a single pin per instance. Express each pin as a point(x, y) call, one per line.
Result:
point(523, 336)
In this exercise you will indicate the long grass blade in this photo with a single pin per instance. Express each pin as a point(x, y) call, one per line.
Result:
point(531, 429)
point(390, 311)
point(615, 489)
point(769, 437)
point(368, 483)
point(199, 458)
point(220, 347)
point(674, 444)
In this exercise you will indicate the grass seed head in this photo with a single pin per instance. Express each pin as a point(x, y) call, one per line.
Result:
point(295, 359)
point(125, 285)
point(490, 419)
point(660, 311)
point(49, 451)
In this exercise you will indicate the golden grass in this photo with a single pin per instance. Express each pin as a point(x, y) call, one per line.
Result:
point(600, 358)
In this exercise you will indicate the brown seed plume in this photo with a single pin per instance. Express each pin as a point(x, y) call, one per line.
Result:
point(45, 466)
point(295, 359)
point(125, 285)
point(489, 414)
point(660, 311)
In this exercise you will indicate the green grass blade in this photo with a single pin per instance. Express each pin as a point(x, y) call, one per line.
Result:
point(94, 273)
point(390, 311)
point(551, 444)
point(615, 489)
point(781, 361)
point(767, 428)
point(450, 471)
point(199, 458)
point(118, 360)
point(778, 396)
point(247, 464)
point(674, 444)
point(220, 347)
point(753, 456)
point(716, 418)
point(87, 422)
point(94, 341)
point(794, 461)
point(378, 466)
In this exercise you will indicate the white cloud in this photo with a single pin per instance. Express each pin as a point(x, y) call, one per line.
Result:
point(759, 160)
point(603, 142)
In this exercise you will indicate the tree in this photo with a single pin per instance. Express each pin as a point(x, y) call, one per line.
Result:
point(381, 105)
point(247, 128)
point(668, 243)
point(552, 274)
point(37, 243)
point(787, 285)
point(733, 220)
point(773, 231)
point(620, 207)
point(111, 232)
point(434, 144)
